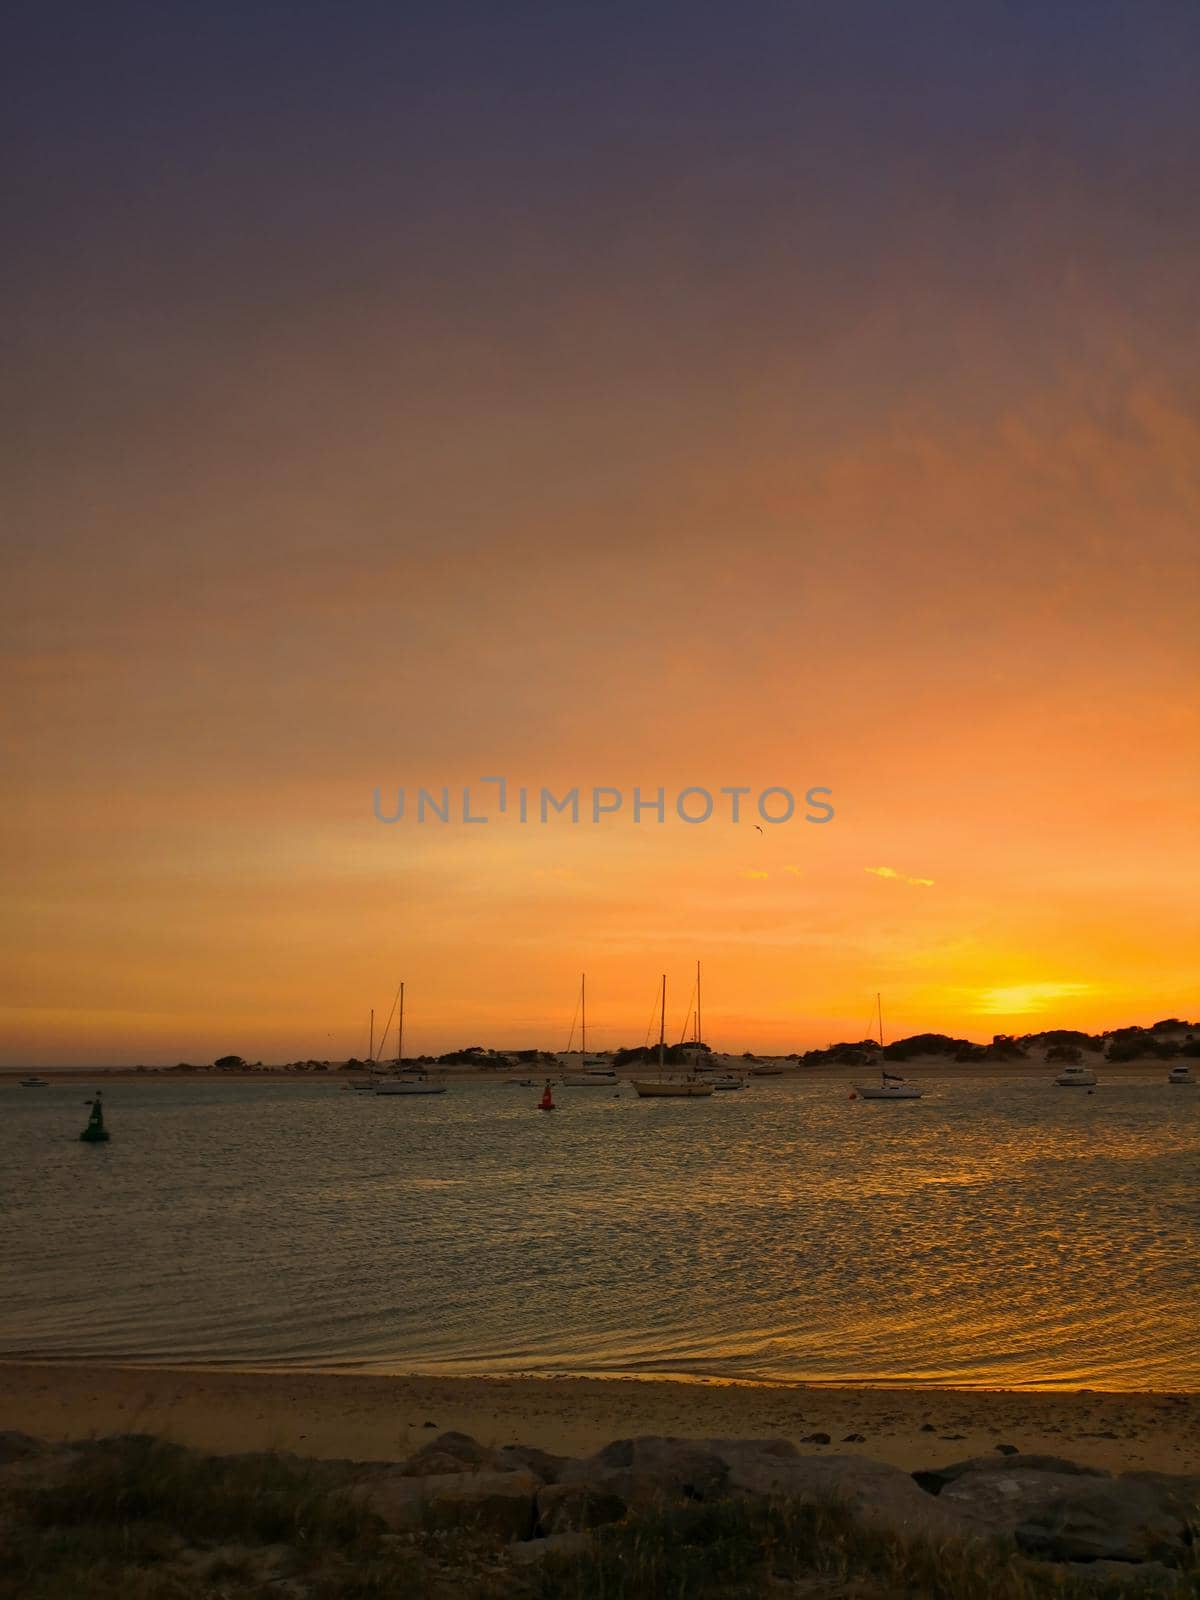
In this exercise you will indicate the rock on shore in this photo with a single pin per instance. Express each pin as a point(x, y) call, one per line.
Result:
point(527, 1502)
point(1044, 1507)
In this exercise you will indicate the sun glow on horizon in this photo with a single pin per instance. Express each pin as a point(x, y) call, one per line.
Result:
point(1020, 999)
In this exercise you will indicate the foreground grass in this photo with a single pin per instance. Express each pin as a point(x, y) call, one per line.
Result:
point(144, 1520)
point(137, 1519)
point(734, 1549)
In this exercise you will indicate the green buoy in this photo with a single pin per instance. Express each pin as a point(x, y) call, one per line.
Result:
point(95, 1132)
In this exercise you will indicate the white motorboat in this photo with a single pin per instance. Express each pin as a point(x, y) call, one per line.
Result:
point(727, 1080)
point(680, 1086)
point(1181, 1074)
point(1076, 1077)
point(766, 1069)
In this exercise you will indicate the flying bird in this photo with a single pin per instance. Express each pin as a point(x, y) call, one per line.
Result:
point(759, 829)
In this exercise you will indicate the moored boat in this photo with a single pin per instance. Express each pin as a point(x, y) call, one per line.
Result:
point(1181, 1074)
point(34, 1083)
point(891, 1085)
point(1076, 1077)
point(682, 1086)
point(400, 1081)
point(594, 1072)
point(412, 1083)
point(366, 1085)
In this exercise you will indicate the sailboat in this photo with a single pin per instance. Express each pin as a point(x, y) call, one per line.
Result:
point(685, 1087)
point(704, 1061)
point(415, 1083)
point(366, 1085)
point(595, 1072)
point(891, 1085)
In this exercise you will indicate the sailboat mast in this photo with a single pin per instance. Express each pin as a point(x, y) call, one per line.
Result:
point(879, 1012)
point(699, 1034)
point(371, 1045)
point(662, 1025)
point(400, 1029)
point(583, 1019)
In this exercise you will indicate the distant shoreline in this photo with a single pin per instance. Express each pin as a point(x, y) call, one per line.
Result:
point(1122, 1046)
point(918, 1067)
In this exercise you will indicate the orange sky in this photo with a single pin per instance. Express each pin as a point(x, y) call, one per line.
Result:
point(898, 497)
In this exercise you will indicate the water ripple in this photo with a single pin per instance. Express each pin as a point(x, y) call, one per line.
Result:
point(999, 1231)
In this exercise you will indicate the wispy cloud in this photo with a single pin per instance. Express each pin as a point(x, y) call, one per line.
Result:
point(755, 874)
point(900, 877)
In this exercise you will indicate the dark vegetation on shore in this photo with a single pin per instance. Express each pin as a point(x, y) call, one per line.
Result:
point(1165, 1040)
point(134, 1518)
point(735, 1550)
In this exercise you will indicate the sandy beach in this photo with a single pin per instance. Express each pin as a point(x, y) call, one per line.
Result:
point(384, 1418)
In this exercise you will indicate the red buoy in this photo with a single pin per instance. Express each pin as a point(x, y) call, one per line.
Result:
point(546, 1103)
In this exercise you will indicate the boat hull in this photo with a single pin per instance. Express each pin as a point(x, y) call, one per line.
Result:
point(666, 1090)
point(877, 1093)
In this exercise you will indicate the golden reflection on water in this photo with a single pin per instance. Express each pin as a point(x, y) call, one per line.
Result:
point(999, 1231)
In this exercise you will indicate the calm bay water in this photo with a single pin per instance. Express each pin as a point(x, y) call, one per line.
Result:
point(1000, 1231)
